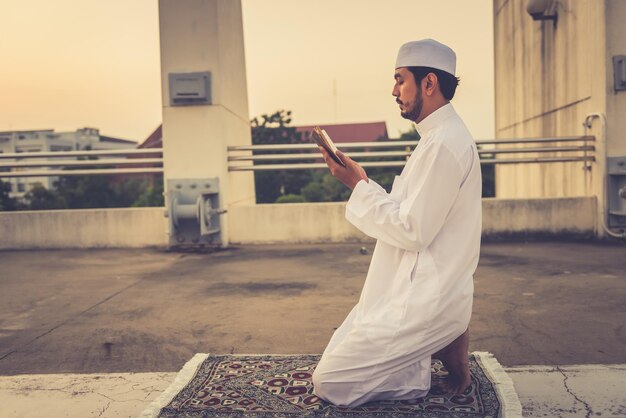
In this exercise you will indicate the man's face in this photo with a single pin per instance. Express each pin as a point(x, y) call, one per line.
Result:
point(408, 94)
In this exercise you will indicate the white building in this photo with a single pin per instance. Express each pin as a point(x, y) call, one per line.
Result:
point(48, 140)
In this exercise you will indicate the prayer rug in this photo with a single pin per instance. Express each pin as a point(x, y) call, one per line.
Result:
point(266, 386)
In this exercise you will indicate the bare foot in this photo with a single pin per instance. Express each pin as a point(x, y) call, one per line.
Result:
point(455, 359)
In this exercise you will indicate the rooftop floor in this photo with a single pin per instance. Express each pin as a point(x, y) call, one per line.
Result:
point(146, 310)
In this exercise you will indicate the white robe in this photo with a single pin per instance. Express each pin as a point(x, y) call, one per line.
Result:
point(417, 296)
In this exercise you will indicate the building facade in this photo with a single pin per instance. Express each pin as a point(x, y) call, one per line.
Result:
point(47, 140)
point(552, 75)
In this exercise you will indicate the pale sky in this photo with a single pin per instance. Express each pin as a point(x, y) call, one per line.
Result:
point(66, 64)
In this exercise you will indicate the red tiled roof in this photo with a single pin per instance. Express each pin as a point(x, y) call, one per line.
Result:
point(155, 140)
point(352, 132)
point(341, 132)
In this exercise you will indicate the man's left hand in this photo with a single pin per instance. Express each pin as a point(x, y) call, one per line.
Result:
point(349, 175)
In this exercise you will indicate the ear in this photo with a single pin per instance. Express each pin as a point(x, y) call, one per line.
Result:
point(431, 83)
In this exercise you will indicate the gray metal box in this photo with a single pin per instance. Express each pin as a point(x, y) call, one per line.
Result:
point(188, 89)
point(616, 172)
point(619, 72)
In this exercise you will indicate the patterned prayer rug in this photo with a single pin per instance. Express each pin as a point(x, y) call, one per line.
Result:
point(280, 386)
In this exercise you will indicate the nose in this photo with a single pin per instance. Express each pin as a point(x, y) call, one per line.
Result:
point(395, 92)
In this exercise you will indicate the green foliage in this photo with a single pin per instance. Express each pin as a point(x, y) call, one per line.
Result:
point(7, 203)
point(290, 198)
point(101, 192)
point(489, 177)
point(40, 198)
point(410, 135)
point(275, 129)
point(82, 192)
point(325, 188)
point(150, 195)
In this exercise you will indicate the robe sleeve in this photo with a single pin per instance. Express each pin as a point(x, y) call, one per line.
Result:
point(412, 222)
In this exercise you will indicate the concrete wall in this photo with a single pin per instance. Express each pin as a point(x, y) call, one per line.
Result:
point(305, 222)
point(293, 222)
point(88, 228)
point(548, 78)
point(556, 216)
point(325, 222)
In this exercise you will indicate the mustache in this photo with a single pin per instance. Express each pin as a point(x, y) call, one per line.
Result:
point(399, 101)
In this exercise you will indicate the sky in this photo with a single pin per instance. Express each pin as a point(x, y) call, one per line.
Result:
point(67, 64)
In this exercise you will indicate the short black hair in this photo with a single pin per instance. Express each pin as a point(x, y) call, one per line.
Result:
point(447, 82)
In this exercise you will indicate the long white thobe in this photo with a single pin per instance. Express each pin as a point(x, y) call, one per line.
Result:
point(417, 296)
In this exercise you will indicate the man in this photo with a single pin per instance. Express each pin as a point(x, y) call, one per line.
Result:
point(417, 299)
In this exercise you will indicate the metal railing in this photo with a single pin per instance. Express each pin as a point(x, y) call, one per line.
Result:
point(266, 158)
point(576, 153)
point(68, 159)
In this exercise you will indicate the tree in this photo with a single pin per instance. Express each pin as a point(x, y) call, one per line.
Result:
point(40, 198)
point(385, 175)
point(82, 192)
point(7, 203)
point(275, 129)
point(325, 188)
point(290, 198)
point(151, 195)
point(410, 135)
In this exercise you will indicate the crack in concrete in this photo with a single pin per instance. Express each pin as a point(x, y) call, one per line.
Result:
point(104, 409)
point(586, 405)
point(70, 319)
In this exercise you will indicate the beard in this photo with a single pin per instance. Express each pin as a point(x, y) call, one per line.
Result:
point(413, 114)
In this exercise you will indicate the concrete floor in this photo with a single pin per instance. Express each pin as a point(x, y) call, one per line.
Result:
point(117, 311)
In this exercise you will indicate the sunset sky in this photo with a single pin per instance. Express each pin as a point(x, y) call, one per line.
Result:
point(67, 64)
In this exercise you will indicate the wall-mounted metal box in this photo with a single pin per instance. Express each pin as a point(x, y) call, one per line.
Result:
point(188, 89)
point(619, 72)
point(616, 171)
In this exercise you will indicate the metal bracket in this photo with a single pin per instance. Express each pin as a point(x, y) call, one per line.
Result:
point(193, 212)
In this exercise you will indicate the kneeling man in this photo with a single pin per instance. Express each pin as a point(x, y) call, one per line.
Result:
point(417, 299)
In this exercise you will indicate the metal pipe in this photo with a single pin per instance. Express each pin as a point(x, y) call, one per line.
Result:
point(536, 140)
point(587, 124)
point(543, 149)
point(315, 156)
point(400, 163)
point(81, 163)
point(92, 172)
point(84, 153)
point(394, 144)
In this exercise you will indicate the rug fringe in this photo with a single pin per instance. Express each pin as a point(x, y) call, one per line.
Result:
point(184, 376)
point(505, 389)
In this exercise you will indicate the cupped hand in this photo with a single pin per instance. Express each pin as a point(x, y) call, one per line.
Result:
point(349, 175)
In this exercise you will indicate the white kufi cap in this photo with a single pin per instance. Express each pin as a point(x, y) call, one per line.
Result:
point(427, 53)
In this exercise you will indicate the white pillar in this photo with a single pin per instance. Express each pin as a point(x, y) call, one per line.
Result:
point(197, 36)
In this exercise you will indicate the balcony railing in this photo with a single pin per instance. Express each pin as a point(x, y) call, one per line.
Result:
point(581, 151)
point(267, 157)
point(54, 159)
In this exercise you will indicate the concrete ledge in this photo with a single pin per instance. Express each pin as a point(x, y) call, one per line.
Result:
point(283, 223)
point(566, 216)
point(291, 222)
point(325, 222)
point(84, 228)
